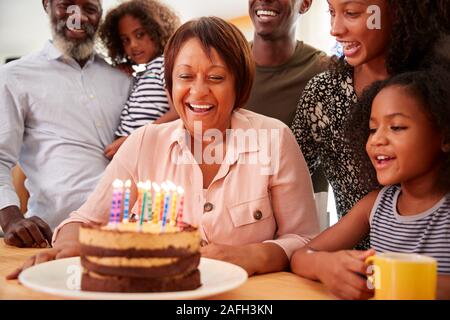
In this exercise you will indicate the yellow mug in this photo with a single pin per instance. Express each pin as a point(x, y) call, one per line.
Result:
point(403, 276)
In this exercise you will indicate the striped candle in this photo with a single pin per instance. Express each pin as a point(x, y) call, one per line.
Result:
point(144, 205)
point(119, 200)
point(166, 204)
point(173, 209)
point(157, 189)
point(140, 186)
point(180, 208)
point(149, 198)
point(163, 198)
point(126, 205)
point(112, 214)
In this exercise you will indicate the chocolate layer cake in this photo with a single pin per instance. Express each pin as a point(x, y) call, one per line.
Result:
point(122, 259)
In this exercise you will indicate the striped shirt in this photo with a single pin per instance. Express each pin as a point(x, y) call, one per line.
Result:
point(147, 101)
point(426, 233)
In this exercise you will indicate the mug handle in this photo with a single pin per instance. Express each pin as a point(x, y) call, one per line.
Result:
point(371, 281)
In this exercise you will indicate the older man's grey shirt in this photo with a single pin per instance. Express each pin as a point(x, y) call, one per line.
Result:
point(56, 120)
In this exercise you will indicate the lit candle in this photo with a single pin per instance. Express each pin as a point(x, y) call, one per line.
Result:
point(180, 208)
point(163, 198)
point(173, 215)
point(157, 200)
point(119, 200)
point(144, 204)
point(126, 205)
point(112, 215)
point(149, 198)
point(166, 204)
point(140, 186)
point(112, 212)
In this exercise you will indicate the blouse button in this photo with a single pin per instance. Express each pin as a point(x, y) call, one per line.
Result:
point(208, 207)
point(257, 215)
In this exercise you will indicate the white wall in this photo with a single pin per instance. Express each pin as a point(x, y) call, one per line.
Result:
point(314, 27)
point(24, 25)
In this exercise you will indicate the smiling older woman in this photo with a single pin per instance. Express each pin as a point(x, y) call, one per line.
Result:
point(248, 190)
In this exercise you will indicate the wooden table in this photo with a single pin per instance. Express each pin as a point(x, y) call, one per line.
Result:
point(280, 285)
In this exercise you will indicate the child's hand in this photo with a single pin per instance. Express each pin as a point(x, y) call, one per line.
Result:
point(126, 68)
point(344, 273)
point(111, 150)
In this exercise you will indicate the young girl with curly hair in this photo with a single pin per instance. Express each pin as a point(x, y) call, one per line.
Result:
point(134, 33)
point(400, 131)
point(380, 38)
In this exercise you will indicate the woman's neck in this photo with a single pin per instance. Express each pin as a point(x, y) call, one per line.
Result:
point(366, 74)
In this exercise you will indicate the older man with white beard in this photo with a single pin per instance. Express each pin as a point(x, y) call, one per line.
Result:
point(59, 110)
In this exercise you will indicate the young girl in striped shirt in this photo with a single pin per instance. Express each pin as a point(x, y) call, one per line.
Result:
point(135, 33)
point(404, 124)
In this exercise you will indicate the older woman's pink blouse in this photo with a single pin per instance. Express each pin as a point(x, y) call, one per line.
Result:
point(247, 202)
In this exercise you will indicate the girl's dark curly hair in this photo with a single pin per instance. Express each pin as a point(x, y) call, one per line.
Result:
point(417, 26)
point(159, 21)
point(431, 87)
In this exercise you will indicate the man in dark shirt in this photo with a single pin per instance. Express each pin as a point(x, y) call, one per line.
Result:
point(284, 64)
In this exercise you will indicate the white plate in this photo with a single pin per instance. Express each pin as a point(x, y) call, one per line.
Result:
point(62, 277)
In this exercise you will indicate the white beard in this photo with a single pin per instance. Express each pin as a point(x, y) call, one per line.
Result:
point(77, 50)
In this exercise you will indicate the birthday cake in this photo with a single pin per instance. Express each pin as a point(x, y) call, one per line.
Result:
point(140, 256)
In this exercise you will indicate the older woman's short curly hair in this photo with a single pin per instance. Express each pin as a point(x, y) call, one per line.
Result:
point(227, 40)
point(159, 21)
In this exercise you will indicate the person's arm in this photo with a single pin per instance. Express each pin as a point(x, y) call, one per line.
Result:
point(168, 116)
point(443, 287)
point(293, 208)
point(112, 148)
point(305, 124)
point(258, 258)
point(19, 231)
point(291, 195)
point(327, 258)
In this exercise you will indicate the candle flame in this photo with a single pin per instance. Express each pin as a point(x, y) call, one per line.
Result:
point(165, 187)
point(117, 184)
point(180, 190)
point(128, 184)
point(171, 186)
point(156, 187)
